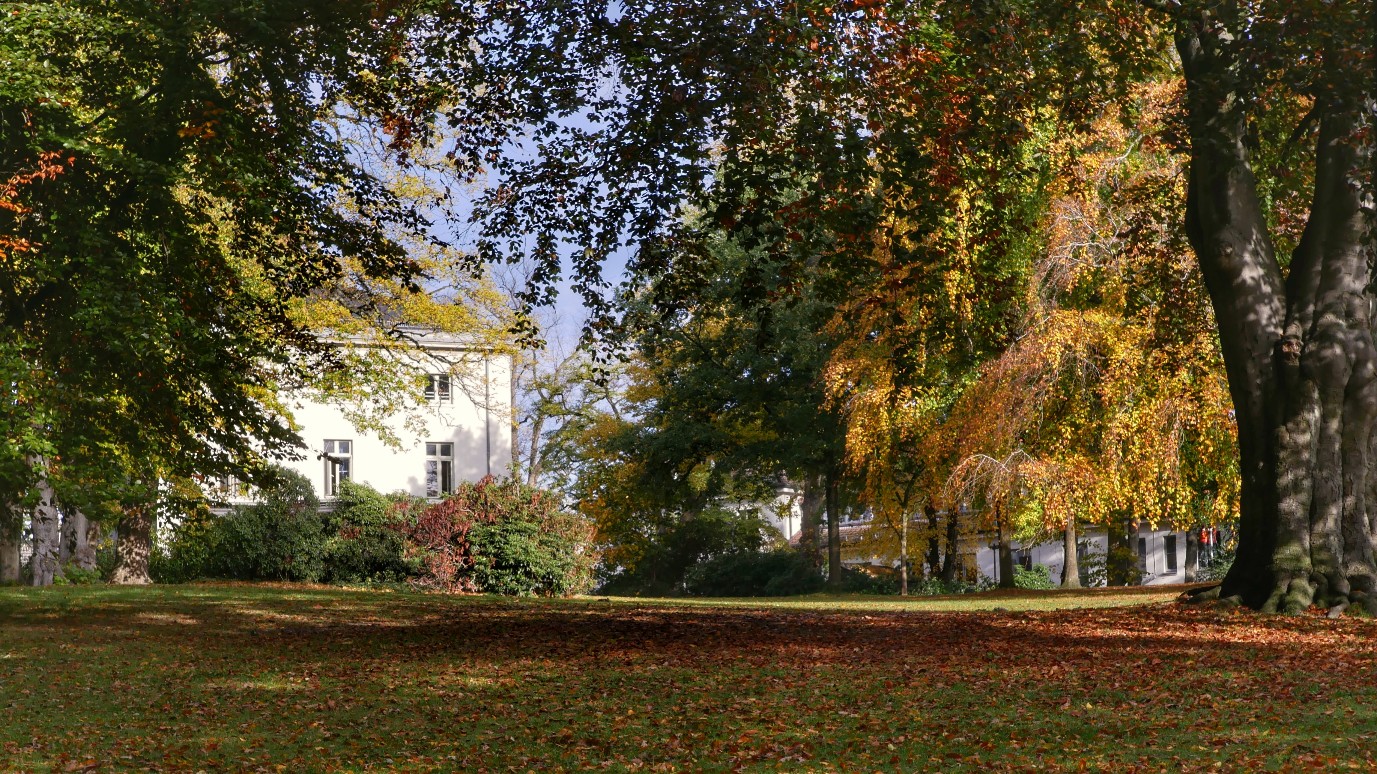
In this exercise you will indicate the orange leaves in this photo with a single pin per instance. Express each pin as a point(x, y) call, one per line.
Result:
point(48, 167)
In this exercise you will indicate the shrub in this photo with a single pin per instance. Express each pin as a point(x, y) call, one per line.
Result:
point(364, 537)
point(657, 563)
point(282, 537)
point(502, 537)
point(772, 574)
point(1217, 569)
point(1094, 571)
point(1037, 577)
point(194, 541)
point(933, 587)
point(76, 576)
point(870, 580)
point(516, 558)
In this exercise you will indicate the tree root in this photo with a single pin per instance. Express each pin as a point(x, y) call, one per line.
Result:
point(1200, 595)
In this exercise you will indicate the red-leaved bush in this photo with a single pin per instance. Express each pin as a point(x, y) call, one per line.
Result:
point(502, 537)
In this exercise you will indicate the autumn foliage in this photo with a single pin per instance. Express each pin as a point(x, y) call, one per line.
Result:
point(502, 537)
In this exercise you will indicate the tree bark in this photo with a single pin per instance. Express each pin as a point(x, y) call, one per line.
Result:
point(1299, 354)
point(133, 546)
point(67, 536)
point(1070, 564)
point(79, 535)
point(84, 554)
point(1192, 555)
point(903, 555)
point(834, 563)
point(533, 461)
point(11, 533)
point(1120, 565)
point(46, 528)
point(1006, 554)
point(951, 563)
point(810, 518)
point(934, 552)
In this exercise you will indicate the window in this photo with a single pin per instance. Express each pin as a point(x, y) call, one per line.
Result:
point(338, 456)
point(438, 389)
point(1169, 549)
point(228, 487)
point(1142, 555)
point(439, 469)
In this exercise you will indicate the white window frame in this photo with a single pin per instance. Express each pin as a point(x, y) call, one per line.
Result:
point(439, 388)
point(439, 470)
point(339, 464)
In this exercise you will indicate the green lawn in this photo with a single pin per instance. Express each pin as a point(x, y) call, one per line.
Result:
point(307, 679)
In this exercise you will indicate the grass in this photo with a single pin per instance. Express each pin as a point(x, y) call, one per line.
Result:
point(283, 678)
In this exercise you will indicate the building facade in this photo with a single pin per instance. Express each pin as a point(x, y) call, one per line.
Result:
point(456, 427)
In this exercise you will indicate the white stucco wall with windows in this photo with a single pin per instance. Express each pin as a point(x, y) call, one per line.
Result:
point(471, 421)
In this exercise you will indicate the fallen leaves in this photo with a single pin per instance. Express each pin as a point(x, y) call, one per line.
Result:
point(286, 677)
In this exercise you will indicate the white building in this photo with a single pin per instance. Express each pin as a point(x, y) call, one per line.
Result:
point(1161, 554)
point(457, 427)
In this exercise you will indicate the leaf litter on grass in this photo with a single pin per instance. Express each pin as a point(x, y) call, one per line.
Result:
point(243, 678)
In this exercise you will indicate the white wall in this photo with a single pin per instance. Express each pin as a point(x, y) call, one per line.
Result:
point(477, 420)
point(1050, 554)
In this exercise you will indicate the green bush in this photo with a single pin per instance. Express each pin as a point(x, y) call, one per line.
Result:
point(1217, 569)
point(516, 558)
point(194, 541)
point(932, 587)
point(870, 580)
point(1093, 567)
point(772, 574)
point(1037, 577)
point(664, 556)
point(364, 537)
point(502, 537)
point(281, 537)
point(76, 576)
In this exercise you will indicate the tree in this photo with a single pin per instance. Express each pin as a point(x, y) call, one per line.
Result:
point(1296, 335)
point(794, 85)
point(737, 334)
point(176, 180)
point(1112, 400)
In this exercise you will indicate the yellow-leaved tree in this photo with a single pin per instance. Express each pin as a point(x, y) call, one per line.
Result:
point(1112, 407)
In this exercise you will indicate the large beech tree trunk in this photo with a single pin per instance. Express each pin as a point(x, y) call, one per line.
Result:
point(934, 551)
point(1005, 553)
point(47, 536)
point(1298, 348)
point(903, 554)
point(78, 540)
point(133, 547)
point(1192, 555)
point(951, 563)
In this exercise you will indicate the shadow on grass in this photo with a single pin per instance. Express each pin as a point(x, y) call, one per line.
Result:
point(243, 677)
